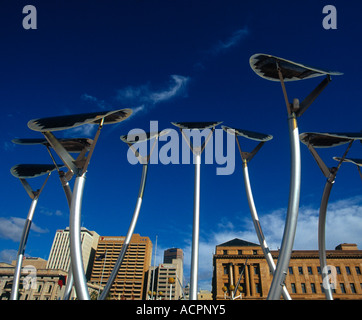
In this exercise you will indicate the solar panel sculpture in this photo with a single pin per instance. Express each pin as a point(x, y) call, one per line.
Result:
point(326, 140)
point(277, 69)
point(131, 140)
point(246, 157)
point(72, 145)
point(197, 151)
point(78, 168)
point(24, 172)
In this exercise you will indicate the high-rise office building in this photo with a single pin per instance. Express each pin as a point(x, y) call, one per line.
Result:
point(131, 280)
point(171, 268)
point(173, 253)
point(59, 257)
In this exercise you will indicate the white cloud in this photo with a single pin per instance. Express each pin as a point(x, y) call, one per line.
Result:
point(231, 41)
point(8, 255)
point(145, 97)
point(12, 228)
point(86, 130)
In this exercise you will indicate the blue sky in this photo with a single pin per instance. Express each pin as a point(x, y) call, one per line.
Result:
point(178, 61)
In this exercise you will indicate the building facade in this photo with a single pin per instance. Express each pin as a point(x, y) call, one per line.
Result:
point(131, 280)
point(173, 253)
point(163, 288)
point(240, 264)
point(59, 257)
point(36, 282)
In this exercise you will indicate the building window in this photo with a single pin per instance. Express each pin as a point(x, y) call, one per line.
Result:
point(322, 288)
point(303, 288)
point(312, 286)
point(300, 269)
point(319, 270)
point(310, 270)
point(225, 270)
point(290, 270)
point(353, 288)
point(224, 252)
point(348, 270)
point(293, 288)
point(256, 270)
point(255, 252)
point(240, 252)
point(358, 270)
point(257, 287)
point(343, 289)
point(338, 269)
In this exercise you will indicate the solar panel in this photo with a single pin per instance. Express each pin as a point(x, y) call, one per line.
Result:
point(24, 171)
point(70, 144)
point(70, 121)
point(248, 134)
point(142, 136)
point(355, 161)
point(196, 125)
point(265, 66)
point(326, 140)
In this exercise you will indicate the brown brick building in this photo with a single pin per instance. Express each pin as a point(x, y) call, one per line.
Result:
point(130, 282)
point(303, 281)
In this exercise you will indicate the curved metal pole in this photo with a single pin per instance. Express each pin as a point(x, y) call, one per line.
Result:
point(292, 213)
point(75, 239)
point(15, 287)
point(195, 232)
point(127, 240)
point(68, 194)
point(322, 238)
point(258, 228)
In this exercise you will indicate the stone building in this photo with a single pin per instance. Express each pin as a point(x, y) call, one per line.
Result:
point(36, 282)
point(243, 262)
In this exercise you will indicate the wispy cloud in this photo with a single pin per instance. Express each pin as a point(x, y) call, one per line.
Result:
point(140, 98)
point(86, 130)
point(235, 39)
point(143, 98)
point(8, 255)
point(12, 228)
point(222, 47)
point(93, 100)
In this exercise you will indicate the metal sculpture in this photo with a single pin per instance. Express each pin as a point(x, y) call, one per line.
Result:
point(325, 140)
point(23, 172)
point(72, 145)
point(131, 140)
point(79, 168)
point(278, 69)
point(246, 157)
point(197, 151)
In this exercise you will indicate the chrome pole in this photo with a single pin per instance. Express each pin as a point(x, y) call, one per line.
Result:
point(292, 213)
point(322, 238)
point(196, 227)
point(128, 236)
point(68, 194)
point(15, 287)
point(258, 228)
point(75, 239)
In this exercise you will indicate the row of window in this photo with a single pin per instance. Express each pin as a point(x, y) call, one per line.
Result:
point(313, 288)
point(338, 270)
point(240, 252)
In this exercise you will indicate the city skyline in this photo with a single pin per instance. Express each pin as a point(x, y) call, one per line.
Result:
point(169, 62)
